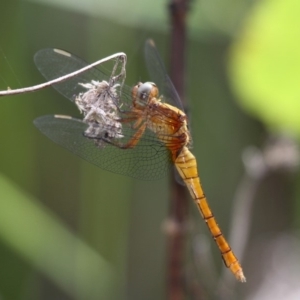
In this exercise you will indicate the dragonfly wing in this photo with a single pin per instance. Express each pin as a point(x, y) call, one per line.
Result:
point(54, 63)
point(158, 74)
point(149, 160)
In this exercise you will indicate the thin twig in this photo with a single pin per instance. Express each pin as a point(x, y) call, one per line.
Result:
point(8, 92)
point(178, 199)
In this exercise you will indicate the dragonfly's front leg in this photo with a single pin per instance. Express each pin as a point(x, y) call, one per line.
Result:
point(139, 125)
point(136, 137)
point(131, 116)
point(133, 140)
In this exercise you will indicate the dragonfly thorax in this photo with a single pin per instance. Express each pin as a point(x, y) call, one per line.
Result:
point(143, 92)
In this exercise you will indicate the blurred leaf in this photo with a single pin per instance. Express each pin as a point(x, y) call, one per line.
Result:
point(265, 64)
point(39, 237)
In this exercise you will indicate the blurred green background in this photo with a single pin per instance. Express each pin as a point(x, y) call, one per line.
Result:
point(69, 230)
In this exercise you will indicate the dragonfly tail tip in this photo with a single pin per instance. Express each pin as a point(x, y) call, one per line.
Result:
point(240, 276)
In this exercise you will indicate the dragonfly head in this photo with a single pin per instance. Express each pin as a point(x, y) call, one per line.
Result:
point(143, 92)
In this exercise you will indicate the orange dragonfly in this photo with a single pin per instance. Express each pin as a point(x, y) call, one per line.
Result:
point(133, 132)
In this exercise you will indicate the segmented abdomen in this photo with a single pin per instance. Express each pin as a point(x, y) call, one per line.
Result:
point(187, 167)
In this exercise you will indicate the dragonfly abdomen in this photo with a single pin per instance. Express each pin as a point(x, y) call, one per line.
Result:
point(187, 167)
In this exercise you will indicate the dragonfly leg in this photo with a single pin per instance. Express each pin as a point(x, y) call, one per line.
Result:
point(136, 137)
point(138, 123)
point(130, 144)
point(131, 116)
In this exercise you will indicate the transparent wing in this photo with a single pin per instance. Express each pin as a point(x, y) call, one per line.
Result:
point(148, 160)
point(158, 74)
point(54, 63)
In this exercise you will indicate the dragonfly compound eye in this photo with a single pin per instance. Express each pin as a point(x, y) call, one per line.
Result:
point(146, 89)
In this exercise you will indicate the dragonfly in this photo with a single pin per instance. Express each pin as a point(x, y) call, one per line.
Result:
point(139, 132)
